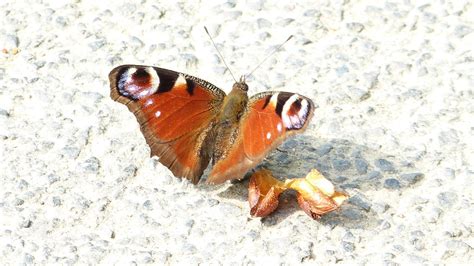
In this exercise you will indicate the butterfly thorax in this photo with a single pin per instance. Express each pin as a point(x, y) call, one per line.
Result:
point(228, 120)
point(234, 104)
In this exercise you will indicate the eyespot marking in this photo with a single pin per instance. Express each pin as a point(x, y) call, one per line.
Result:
point(137, 83)
point(295, 112)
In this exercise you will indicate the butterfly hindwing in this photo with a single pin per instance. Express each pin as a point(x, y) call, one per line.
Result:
point(175, 111)
point(270, 117)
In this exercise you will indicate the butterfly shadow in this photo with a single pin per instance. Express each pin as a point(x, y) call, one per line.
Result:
point(352, 168)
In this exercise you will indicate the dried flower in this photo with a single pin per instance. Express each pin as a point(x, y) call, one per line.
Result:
point(315, 194)
point(264, 191)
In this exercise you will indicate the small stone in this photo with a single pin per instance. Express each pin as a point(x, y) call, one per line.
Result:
point(361, 166)
point(97, 44)
point(360, 201)
point(56, 201)
point(190, 59)
point(340, 179)
point(349, 237)
point(252, 234)
point(26, 223)
point(212, 202)
point(62, 21)
point(189, 223)
point(462, 30)
point(188, 249)
point(71, 152)
point(414, 259)
point(352, 214)
point(350, 186)
point(384, 165)
point(432, 215)
point(458, 246)
point(450, 173)
point(18, 202)
point(355, 26)
point(161, 258)
point(91, 165)
point(285, 22)
point(412, 178)
point(52, 178)
point(22, 184)
point(148, 205)
point(374, 175)
point(447, 199)
point(263, 23)
point(136, 42)
point(4, 113)
point(358, 94)
point(380, 208)
point(324, 149)
point(29, 259)
point(347, 246)
point(392, 183)
point(9, 41)
point(384, 225)
point(340, 71)
point(341, 164)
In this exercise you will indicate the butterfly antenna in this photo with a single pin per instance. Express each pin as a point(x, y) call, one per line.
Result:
point(215, 46)
point(268, 56)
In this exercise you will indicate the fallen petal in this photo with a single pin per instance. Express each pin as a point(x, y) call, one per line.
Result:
point(264, 191)
point(318, 180)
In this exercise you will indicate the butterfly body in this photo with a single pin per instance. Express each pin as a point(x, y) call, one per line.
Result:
point(187, 122)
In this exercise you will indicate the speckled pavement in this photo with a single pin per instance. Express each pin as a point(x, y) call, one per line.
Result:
point(394, 128)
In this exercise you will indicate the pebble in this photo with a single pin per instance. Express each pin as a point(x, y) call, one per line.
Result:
point(348, 246)
point(360, 201)
point(412, 178)
point(447, 199)
point(9, 41)
point(433, 214)
point(29, 259)
point(341, 164)
point(324, 149)
point(18, 202)
point(91, 165)
point(355, 27)
point(56, 201)
point(26, 223)
point(361, 166)
point(374, 175)
point(392, 183)
point(263, 23)
point(384, 165)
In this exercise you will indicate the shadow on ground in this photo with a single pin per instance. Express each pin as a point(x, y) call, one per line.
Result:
point(351, 167)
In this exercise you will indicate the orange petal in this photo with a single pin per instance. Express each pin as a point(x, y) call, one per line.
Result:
point(316, 195)
point(264, 191)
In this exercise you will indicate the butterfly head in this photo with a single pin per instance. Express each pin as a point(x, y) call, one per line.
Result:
point(241, 85)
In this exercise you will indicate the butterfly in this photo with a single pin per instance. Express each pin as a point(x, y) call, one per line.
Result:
point(187, 121)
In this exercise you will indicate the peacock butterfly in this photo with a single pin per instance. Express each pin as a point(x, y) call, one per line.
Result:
point(187, 121)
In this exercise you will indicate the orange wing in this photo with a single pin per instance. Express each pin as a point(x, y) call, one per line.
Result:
point(269, 119)
point(176, 113)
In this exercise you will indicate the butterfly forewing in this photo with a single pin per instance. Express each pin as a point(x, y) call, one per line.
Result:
point(176, 113)
point(270, 117)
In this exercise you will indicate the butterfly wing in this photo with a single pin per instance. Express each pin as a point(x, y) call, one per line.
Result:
point(175, 111)
point(270, 117)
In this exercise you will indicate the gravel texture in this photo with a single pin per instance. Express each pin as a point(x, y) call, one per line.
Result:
point(394, 128)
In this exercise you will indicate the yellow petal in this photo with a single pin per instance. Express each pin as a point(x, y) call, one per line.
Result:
point(316, 179)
